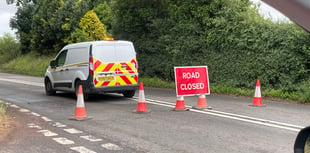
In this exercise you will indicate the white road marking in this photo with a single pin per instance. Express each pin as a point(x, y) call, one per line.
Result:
point(23, 82)
point(111, 146)
point(24, 110)
point(91, 138)
point(47, 133)
point(60, 125)
point(14, 106)
point(63, 141)
point(73, 131)
point(31, 125)
point(46, 119)
point(35, 114)
point(243, 118)
point(82, 149)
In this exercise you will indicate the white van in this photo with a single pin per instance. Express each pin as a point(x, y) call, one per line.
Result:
point(99, 66)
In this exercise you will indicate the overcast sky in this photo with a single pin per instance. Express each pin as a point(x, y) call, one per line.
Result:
point(7, 11)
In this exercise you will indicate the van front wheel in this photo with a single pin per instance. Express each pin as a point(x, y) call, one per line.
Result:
point(129, 93)
point(49, 88)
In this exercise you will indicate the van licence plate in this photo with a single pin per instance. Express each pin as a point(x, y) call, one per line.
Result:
point(105, 78)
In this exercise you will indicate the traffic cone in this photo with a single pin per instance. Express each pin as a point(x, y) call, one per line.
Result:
point(80, 113)
point(141, 106)
point(180, 105)
point(257, 96)
point(202, 103)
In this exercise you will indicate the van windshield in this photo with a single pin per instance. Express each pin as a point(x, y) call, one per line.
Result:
point(113, 53)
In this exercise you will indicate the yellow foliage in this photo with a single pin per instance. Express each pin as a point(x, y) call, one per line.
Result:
point(92, 26)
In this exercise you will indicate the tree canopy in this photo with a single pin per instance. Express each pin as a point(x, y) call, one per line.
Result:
point(229, 36)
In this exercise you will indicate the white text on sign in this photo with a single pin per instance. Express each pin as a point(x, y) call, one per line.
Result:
point(192, 75)
point(191, 86)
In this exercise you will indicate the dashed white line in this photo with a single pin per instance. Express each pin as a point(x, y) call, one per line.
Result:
point(31, 125)
point(91, 138)
point(14, 106)
point(60, 125)
point(111, 146)
point(73, 131)
point(46, 119)
point(63, 141)
point(35, 114)
point(48, 133)
point(82, 149)
point(24, 110)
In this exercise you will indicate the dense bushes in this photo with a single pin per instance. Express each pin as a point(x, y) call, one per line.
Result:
point(230, 37)
point(9, 48)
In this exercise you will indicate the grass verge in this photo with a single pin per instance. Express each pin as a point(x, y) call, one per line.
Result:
point(30, 64)
point(6, 122)
point(3, 107)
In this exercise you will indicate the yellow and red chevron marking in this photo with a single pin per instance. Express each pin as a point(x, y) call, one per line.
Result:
point(124, 76)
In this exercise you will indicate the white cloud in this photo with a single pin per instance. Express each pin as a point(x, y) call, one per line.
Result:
point(4, 24)
point(269, 12)
point(6, 12)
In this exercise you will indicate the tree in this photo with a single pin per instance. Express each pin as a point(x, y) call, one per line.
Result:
point(104, 12)
point(90, 28)
point(9, 48)
point(22, 22)
point(44, 28)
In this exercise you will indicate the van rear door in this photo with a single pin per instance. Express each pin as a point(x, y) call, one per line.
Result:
point(127, 73)
point(115, 64)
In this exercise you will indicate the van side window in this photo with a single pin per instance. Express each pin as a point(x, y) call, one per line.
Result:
point(77, 55)
point(61, 58)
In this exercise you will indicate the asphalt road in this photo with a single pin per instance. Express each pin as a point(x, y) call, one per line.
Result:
point(231, 126)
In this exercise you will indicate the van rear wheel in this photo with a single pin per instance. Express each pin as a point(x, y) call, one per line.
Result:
point(129, 93)
point(77, 84)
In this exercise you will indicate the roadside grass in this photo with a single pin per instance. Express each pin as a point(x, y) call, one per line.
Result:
point(3, 107)
point(35, 65)
point(157, 82)
point(29, 64)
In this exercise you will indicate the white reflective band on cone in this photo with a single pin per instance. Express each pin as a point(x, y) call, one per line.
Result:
point(80, 101)
point(141, 96)
point(257, 92)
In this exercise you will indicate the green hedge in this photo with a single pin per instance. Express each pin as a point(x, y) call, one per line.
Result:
point(236, 44)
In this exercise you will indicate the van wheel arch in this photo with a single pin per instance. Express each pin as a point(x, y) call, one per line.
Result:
point(129, 93)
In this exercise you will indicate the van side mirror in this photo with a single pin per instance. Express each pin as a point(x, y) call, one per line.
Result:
point(53, 64)
point(301, 142)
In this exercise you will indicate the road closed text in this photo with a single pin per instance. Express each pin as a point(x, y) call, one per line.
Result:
point(192, 80)
point(191, 86)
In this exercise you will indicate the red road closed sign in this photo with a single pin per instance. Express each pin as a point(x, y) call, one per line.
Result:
point(192, 80)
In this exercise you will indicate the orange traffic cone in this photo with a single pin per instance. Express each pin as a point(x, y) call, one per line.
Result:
point(257, 96)
point(80, 113)
point(180, 105)
point(141, 106)
point(202, 103)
